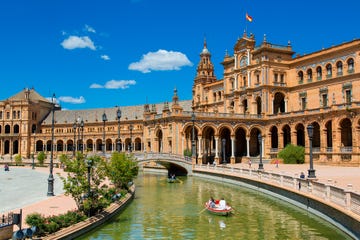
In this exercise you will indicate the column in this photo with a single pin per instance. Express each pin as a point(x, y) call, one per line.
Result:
point(199, 147)
point(263, 146)
point(247, 147)
point(216, 147)
point(232, 158)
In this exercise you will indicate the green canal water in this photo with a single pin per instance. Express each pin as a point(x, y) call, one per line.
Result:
point(163, 210)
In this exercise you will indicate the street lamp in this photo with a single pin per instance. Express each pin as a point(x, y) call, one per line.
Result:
point(223, 150)
point(33, 155)
point(261, 166)
point(82, 136)
point(311, 171)
point(193, 148)
point(74, 145)
point(130, 128)
point(118, 116)
point(51, 176)
point(104, 118)
point(89, 165)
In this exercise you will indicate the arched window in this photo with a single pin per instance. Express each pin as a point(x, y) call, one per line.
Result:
point(350, 64)
point(300, 76)
point(328, 70)
point(319, 73)
point(309, 75)
point(339, 68)
point(7, 128)
point(16, 128)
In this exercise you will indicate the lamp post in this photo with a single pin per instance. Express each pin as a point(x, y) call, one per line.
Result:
point(74, 145)
point(104, 118)
point(223, 150)
point(33, 155)
point(118, 116)
point(82, 136)
point(193, 148)
point(311, 171)
point(130, 128)
point(89, 165)
point(51, 176)
point(261, 166)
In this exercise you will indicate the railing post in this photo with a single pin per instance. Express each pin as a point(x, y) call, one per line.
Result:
point(328, 190)
point(348, 196)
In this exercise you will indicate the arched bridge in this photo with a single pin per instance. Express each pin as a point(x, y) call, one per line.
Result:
point(178, 164)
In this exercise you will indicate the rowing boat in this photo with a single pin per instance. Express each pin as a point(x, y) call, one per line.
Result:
point(218, 211)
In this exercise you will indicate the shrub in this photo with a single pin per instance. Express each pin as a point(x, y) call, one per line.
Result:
point(18, 159)
point(292, 154)
point(187, 153)
point(41, 158)
point(35, 219)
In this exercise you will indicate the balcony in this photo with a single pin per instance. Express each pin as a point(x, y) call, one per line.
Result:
point(347, 149)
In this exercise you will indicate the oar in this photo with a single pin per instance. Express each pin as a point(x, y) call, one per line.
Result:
point(202, 210)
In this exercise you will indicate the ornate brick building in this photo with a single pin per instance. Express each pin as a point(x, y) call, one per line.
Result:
point(267, 98)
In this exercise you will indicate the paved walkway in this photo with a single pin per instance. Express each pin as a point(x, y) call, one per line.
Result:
point(25, 188)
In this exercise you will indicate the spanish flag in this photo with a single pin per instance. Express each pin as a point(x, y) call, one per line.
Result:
point(249, 18)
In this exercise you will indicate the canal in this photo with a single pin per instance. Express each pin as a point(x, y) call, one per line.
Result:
point(163, 210)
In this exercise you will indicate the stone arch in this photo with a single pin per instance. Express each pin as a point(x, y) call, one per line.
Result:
point(159, 139)
point(346, 132)
point(109, 145)
point(240, 145)
point(209, 144)
point(328, 129)
point(316, 135)
point(274, 138)
point(59, 145)
point(15, 149)
point(254, 145)
point(70, 145)
point(225, 143)
point(39, 146)
point(286, 132)
point(89, 145)
point(16, 128)
point(279, 103)
point(137, 144)
point(300, 134)
point(99, 143)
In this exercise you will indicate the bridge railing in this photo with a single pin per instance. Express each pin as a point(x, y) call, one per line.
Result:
point(167, 156)
point(346, 199)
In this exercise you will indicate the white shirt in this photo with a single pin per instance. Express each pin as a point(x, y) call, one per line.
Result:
point(222, 204)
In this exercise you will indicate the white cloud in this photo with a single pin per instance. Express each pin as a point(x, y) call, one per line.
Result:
point(115, 84)
point(105, 57)
point(73, 42)
point(89, 29)
point(95, 85)
point(72, 100)
point(160, 61)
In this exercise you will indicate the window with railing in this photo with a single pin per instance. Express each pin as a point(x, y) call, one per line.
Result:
point(324, 98)
point(339, 67)
point(348, 96)
point(350, 64)
point(328, 71)
point(309, 75)
point(319, 73)
point(300, 77)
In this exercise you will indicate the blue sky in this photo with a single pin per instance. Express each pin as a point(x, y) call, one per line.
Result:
point(103, 53)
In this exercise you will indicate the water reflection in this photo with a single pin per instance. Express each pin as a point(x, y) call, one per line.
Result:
point(164, 210)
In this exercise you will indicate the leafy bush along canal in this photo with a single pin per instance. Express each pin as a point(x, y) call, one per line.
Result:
point(163, 210)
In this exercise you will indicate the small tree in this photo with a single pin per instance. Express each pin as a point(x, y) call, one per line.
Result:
point(292, 154)
point(187, 152)
point(76, 183)
point(121, 169)
point(41, 158)
point(18, 159)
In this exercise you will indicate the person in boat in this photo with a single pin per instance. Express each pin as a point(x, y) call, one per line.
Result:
point(173, 176)
point(211, 202)
point(222, 204)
